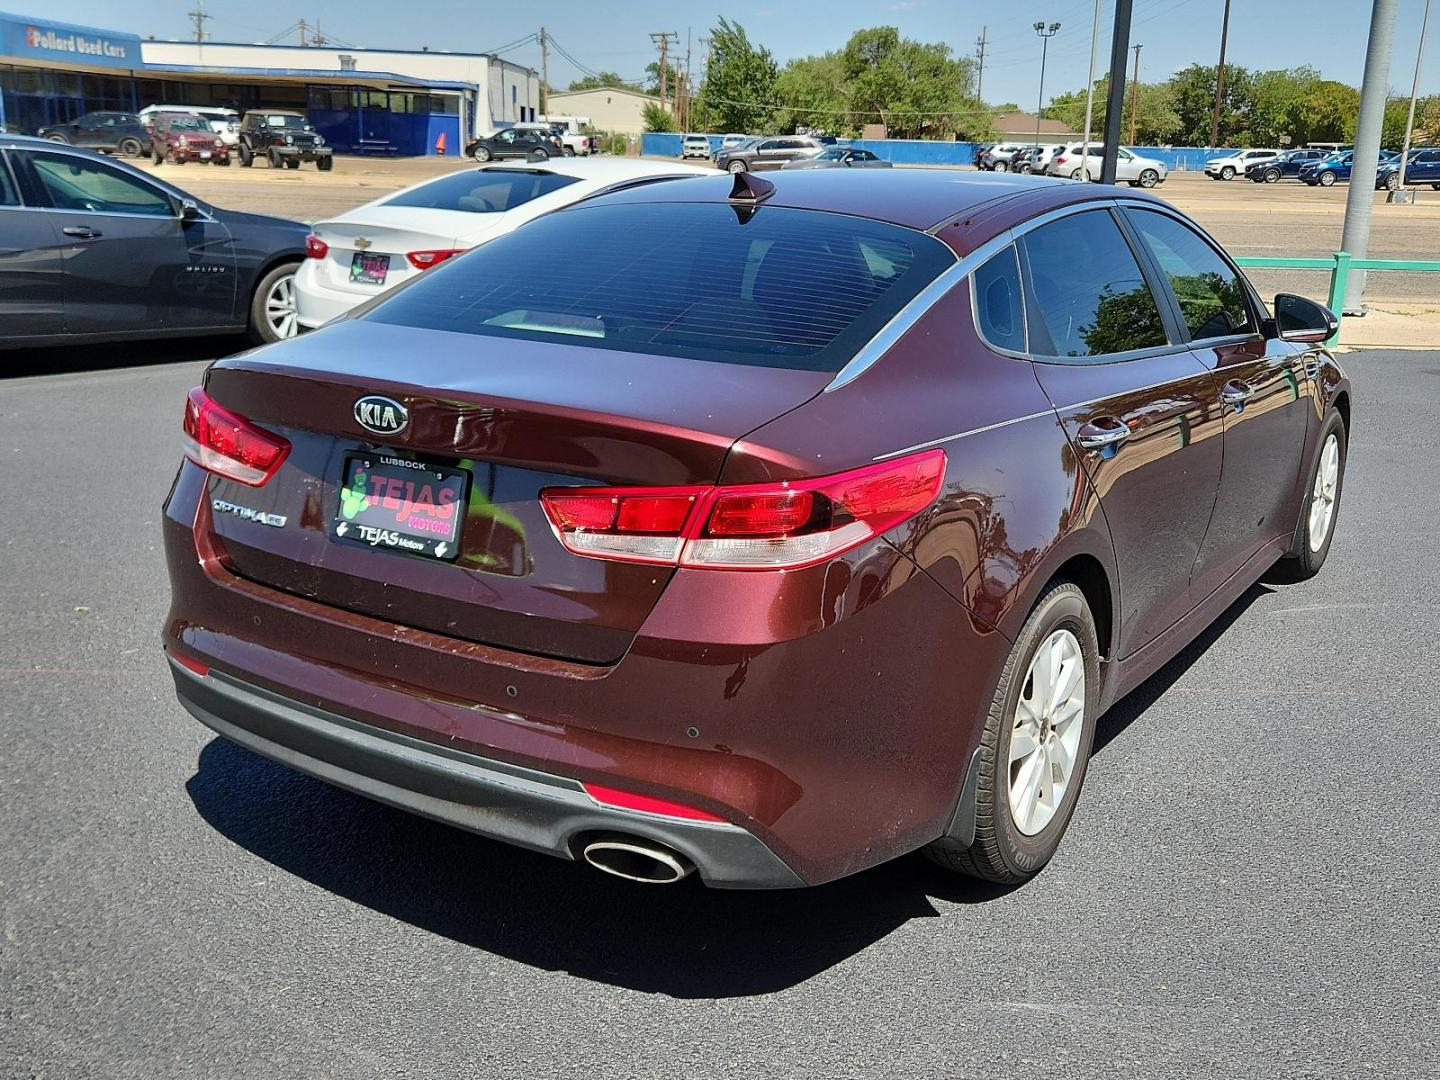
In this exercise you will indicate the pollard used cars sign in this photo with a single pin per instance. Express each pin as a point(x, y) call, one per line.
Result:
point(77, 46)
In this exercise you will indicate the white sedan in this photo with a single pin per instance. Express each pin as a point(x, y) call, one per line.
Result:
point(377, 246)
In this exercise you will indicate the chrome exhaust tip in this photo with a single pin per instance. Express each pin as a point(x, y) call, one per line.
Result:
point(637, 859)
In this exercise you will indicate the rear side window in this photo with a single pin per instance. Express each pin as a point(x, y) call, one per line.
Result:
point(1090, 298)
point(8, 195)
point(482, 191)
point(999, 310)
point(1211, 296)
point(777, 287)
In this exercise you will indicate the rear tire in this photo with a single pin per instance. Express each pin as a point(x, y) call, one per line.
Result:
point(272, 306)
point(482, 154)
point(1008, 848)
point(539, 155)
point(569, 151)
point(1149, 178)
point(738, 167)
point(58, 138)
point(1002, 166)
point(129, 148)
point(1315, 530)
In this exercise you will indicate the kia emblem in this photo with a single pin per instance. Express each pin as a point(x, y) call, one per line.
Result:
point(382, 415)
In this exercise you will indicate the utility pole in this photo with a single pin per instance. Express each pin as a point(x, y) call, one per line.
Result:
point(685, 125)
point(544, 73)
point(1135, 95)
point(199, 18)
point(1115, 99)
point(1090, 95)
point(1220, 78)
point(980, 44)
point(662, 38)
point(1361, 198)
point(1414, 91)
point(303, 28)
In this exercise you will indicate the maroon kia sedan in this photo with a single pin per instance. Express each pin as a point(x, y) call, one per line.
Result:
point(769, 530)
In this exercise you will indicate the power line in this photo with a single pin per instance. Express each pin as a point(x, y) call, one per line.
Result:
point(199, 18)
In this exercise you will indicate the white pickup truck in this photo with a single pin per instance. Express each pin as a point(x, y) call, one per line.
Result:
point(575, 141)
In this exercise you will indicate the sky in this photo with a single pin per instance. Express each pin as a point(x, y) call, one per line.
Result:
point(614, 36)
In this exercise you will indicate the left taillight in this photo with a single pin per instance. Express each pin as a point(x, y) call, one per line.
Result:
point(315, 248)
point(781, 526)
point(424, 260)
point(228, 445)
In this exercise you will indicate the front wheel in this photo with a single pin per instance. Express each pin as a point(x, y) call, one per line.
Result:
point(1035, 745)
point(1392, 182)
point(1327, 179)
point(292, 163)
point(1316, 527)
point(1227, 173)
point(130, 148)
point(325, 164)
point(272, 308)
point(1272, 176)
point(246, 157)
point(1149, 178)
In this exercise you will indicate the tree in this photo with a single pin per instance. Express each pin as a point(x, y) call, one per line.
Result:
point(739, 89)
point(657, 119)
point(1326, 111)
point(603, 79)
point(813, 92)
point(915, 88)
point(652, 79)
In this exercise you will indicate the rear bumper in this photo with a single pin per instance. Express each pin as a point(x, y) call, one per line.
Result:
point(317, 303)
point(506, 802)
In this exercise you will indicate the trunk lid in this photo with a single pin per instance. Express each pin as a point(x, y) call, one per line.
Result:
point(517, 416)
point(379, 231)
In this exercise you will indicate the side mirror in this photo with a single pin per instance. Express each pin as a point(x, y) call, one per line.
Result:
point(189, 210)
point(1300, 320)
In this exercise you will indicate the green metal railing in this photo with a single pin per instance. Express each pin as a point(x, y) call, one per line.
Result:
point(1340, 264)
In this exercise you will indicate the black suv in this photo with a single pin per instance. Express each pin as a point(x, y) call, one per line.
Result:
point(1287, 164)
point(282, 137)
point(533, 144)
point(113, 132)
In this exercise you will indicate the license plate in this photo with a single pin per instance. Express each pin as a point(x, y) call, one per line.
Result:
point(393, 502)
point(205, 155)
point(371, 269)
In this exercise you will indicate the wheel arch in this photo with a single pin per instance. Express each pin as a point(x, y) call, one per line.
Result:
point(1089, 575)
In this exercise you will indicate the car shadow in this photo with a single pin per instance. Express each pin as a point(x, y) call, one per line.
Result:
point(685, 940)
point(1128, 709)
point(69, 359)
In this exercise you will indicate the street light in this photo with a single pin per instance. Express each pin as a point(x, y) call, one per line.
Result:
point(1046, 33)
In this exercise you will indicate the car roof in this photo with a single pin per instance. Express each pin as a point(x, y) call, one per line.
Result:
point(915, 198)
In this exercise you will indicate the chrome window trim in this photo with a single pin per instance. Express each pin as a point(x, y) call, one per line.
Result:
point(9, 171)
point(1024, 309)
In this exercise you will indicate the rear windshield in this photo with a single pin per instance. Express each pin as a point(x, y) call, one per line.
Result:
point(776, 288)
point(482, 191)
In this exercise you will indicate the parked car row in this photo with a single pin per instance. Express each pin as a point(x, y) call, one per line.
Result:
point(177, 134)
point(1075, 161)
point(836, 547)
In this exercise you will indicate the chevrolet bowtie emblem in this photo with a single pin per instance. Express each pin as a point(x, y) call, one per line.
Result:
point(362, 243)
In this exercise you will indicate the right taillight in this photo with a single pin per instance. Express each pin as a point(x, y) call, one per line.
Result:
point(228, 445)
point(780, 526)
point(315, 248)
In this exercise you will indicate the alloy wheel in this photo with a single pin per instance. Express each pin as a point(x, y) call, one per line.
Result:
point(280, 307)
point(1322, 495)
point(1045, 735)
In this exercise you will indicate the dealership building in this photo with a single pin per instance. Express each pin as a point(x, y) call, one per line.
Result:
point(362, 100)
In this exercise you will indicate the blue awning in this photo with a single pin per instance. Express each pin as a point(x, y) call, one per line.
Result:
point(307, 74)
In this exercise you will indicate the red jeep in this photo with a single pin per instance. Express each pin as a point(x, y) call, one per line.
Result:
point(181, 137)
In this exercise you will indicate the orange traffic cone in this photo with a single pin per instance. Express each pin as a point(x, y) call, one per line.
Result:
point(440, 145)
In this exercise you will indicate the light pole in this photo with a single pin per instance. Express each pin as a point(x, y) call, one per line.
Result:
point(1414, 90)
point(1046, 33)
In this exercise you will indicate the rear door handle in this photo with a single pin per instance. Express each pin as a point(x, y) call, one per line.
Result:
point(84, 232)
point(1236, 393)
point(1102, 432)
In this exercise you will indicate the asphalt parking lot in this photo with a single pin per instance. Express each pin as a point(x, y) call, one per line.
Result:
point(1250, 888)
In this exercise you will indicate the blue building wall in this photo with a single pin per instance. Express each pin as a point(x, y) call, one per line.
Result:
point(929, 152)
